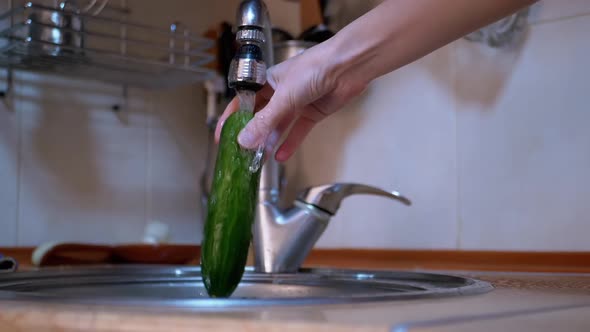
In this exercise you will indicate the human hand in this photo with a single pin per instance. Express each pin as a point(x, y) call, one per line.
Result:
point(300, 92)
point(305, 89)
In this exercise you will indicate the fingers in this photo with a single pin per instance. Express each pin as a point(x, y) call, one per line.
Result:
point(275, 136)
point(264, 122)
point(231, 108)
point(262, 98)
point(298, 132)
point(280, 105)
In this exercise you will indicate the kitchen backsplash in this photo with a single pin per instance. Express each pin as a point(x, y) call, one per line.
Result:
point(491, 145)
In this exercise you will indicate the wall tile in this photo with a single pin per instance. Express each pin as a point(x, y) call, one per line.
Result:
point(83, 174)
point(550, 10)
point(177, 151)
point(523, 141)
point(399, 136)
point(85, 169)
point(8, 172)
point(88, 174)
point(8, 159)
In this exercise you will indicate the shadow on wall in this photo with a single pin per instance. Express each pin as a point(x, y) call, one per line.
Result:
point(481, 72)
point(178, 147)
point(56, 133)
point(468, 71)
point(79, 158)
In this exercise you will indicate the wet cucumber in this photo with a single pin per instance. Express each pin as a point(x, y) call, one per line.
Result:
point(230, 212)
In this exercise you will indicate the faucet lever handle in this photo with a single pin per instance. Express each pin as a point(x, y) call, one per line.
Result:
point(328, 197)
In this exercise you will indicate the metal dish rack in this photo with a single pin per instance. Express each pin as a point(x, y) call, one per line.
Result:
point(107, 47)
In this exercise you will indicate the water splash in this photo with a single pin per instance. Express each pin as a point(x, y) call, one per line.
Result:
point(257, 160)
point(247, 100)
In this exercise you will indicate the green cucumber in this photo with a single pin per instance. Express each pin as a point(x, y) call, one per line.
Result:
point(230, 212)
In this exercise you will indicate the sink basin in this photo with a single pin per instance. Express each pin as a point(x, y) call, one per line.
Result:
point(182, 287)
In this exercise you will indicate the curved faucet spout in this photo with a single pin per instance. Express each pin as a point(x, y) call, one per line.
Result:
point(328, 197)
point(284, 239)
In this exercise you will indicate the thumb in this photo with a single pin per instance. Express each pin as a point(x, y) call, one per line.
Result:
point(265, 121)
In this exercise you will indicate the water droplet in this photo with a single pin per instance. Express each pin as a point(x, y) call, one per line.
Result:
point(257, 161)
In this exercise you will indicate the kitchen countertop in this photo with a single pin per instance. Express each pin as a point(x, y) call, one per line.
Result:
point(520, 302)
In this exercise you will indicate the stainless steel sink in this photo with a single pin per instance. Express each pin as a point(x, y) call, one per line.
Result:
point(182, 287)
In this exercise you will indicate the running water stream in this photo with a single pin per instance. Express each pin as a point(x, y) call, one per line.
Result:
point(247, 100)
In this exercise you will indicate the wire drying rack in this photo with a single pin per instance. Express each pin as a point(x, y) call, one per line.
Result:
point(108, 47)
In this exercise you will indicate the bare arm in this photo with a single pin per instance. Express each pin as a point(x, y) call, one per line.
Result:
point(307, 88)
point(398, 32)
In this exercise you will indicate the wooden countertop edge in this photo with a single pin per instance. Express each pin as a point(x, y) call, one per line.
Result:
point(37, 318)
point(565, 262)
point(511, 261)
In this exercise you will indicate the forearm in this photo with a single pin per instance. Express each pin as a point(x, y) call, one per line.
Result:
point(398, 32)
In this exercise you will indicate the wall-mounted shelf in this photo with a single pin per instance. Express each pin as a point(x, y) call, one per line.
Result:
point(110, 48)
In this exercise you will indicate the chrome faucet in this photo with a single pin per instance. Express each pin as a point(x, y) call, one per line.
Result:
point(283, 238)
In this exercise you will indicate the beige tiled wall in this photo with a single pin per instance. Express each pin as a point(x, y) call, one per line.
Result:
point(81, 166)
point(399, 136)
point(9, 169)
point(492, 146)
point(73, 170)
point(524, 155)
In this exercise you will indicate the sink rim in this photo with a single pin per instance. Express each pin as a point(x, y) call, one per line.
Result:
point(424, 283)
